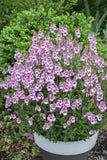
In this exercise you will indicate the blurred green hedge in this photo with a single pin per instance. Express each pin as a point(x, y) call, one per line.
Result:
point(10, 8)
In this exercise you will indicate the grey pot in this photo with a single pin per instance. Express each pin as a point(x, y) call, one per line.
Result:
point(76, 150)
point(50, 156)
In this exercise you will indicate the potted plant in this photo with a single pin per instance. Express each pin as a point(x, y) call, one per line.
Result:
point(57, 91)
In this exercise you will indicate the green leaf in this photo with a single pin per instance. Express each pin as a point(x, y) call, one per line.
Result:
point(101, 21)
point(87, 8)
point(95, 22)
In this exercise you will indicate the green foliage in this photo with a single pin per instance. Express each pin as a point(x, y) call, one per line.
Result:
point(12, 142)
point(9, 9)
point(35, 151)
point(98, 22)
point(18, 35)
point(87, 8)
point(98, 19)
point(97, 9)
point(105, 35)
point(102, 47)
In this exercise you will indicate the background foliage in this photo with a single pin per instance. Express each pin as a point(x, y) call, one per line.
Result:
point(95, 8)
point(10, 8)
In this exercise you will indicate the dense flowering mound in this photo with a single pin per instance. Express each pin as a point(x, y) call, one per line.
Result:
point(57, 88)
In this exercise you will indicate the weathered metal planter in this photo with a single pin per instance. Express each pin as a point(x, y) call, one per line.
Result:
point(76, 150)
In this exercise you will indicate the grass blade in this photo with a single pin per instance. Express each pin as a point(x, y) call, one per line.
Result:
point(95, 22)
point(87, 8)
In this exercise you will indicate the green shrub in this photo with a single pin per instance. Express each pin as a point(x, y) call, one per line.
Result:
point(10, 8)
point(18, 34)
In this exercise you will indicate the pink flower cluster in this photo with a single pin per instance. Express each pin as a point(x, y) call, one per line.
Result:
point(102, 106)
point(57, 77)
point(92, 132)
point(51, 118)
point(92, 117)
point(71, 120)
point(93, 43)
point(47, 125)
point(77, 33)
point(76, 104)
point(12, 116)
point(30, 121)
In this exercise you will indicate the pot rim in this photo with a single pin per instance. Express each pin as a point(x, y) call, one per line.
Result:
point(65, 148)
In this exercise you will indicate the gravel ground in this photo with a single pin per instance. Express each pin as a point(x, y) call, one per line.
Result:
point(99, 152)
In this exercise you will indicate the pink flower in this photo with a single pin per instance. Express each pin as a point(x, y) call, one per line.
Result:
point(47, 38)
point(30, 121)
point(90, 37)
point(80, 75)
point(64, 125)
point(68, 122)
point(59, 103)
point(35, 39)
point(77, 33)
point(92, 91)
point(67, 74)
point(76, 104)
point(40, 34)
point(47, 126)
point(63, 111)
point(38, 108)
point(43, 115)
point(66, 102)
point(102, 106)
point(40, 96)
point(99, 95)
point(64, 31)
point(1, 123)
point(58, 69)
point(76, 50)
point(99, 116)
point(72, 119)
point(52, 28)
point(52, 97)
point(50, 78)
point(88, 70)
point(26, 100)
point(91, 118)
point(37, 73)
point(18, 120)
point(98, 86)
point(74, 83)
point(52, 107)
point(45, 101)
point(51, 118)
point(13, 116)
point(92, 132)
point(59, 36)
point(93, 121)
